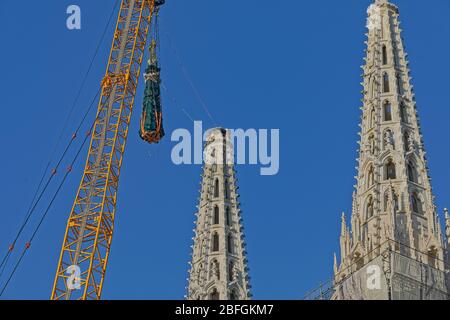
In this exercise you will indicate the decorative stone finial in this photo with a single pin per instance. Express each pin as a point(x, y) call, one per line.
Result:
point(343, 225)
point(335, 263)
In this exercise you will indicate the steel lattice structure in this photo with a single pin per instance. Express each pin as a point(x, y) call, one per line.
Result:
point(89, 231)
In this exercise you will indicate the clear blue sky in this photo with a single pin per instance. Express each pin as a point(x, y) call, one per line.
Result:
point(292, 65)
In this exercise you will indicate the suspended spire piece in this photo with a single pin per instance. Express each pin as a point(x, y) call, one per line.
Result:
point(151, 124)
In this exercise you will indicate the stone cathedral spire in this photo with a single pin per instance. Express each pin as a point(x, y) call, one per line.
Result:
point(219, 266)
point(394, 223)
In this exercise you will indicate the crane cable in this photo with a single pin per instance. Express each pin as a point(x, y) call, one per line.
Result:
point(188, 78)
point(68, 171)
point(50, 178)
point(52, 175)
point(36, 199)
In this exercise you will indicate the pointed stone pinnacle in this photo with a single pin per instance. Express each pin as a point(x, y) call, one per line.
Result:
point(335, 265)
point(343, 225)
point(384, 200)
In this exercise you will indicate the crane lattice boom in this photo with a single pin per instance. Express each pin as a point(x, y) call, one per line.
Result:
point(89, 231)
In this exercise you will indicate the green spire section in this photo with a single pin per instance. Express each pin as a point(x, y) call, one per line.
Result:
point(151, 124)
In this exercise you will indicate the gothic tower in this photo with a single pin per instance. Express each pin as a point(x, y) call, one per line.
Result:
point(395, 229)
point(219, 266)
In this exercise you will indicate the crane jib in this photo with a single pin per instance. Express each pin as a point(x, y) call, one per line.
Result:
point(89, 230)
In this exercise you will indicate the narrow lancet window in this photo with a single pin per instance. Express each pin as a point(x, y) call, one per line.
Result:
point(385, 59)
point(386, 83)
point(390, 173)
point(216, 215)
point(387, 111)
point(216, 188)
point(230, 244)
point(416, 204)
point(403, 113)
point(215, 244)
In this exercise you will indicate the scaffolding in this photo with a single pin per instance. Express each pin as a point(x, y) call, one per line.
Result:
point(406, 274)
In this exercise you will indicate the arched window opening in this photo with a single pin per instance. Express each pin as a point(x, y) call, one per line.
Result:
point(369, 210)
point(412, 173)
point(386, 83)
point(216, 188)
point(387, 111)
point(231, 271)
point(216, 215)
point(215, 246)
point(416, 204)
point(403, 113)
point(385, 58)
point(390, 170)
point(230, 243)
point(227, 216)
point(214, 295)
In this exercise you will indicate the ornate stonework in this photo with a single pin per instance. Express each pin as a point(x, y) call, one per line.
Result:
point(393, 208)
point(219, 266)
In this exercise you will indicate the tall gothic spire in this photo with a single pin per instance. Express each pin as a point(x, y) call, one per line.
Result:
point(393, 203)
point(219, 266)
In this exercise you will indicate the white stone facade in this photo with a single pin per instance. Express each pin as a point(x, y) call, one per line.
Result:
point(393, 205)
point(219, 267)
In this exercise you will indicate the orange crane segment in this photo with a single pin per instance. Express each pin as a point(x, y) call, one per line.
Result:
point(89, 231)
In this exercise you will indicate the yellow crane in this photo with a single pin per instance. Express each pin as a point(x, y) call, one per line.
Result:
point(87, 241)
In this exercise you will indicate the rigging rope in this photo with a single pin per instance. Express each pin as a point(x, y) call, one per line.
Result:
point(53, 174)
point(189, 79)
point(175, 103)
point(68, 171)
point(37, 199)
